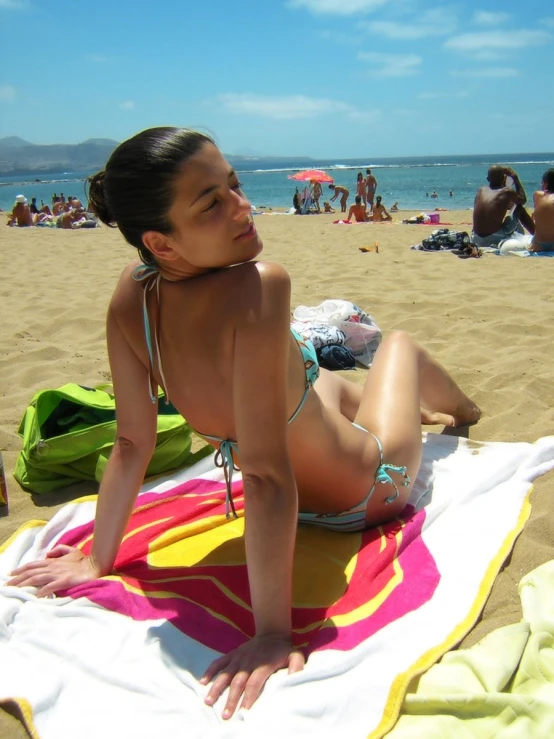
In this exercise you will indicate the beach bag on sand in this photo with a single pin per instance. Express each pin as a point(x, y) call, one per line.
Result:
point(69, 433)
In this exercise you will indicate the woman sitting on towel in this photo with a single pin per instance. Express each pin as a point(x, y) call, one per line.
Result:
point(199, 317)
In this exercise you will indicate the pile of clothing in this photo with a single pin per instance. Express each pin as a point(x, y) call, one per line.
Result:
point(342, 334)
point(444, 239)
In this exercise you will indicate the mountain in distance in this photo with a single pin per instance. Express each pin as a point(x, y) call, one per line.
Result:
point(10, 142)
point(20, 157)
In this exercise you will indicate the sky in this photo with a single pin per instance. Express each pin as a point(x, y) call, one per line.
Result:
point(319, 78)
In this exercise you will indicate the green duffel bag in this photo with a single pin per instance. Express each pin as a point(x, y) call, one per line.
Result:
point(68, 435)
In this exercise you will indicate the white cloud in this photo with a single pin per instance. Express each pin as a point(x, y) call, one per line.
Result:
point(292, 107)
point(391, 65)
point(127, 105)
point(497, 40)
point(442, 95)
point(97, 58)
point(484, 18)
point(433, 22)
point(15, 4)
point(337, 7)
point(7, 93)
point(490, 72)
point(549, 22)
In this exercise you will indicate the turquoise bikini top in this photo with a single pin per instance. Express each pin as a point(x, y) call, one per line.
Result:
point(150, 276)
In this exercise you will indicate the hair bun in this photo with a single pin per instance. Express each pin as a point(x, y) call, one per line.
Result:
point(98, 202)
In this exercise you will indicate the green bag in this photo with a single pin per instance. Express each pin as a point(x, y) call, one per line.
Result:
point(68, 435)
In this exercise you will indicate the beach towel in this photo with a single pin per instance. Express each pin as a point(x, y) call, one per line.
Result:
point(503, 686)
point(121, 656)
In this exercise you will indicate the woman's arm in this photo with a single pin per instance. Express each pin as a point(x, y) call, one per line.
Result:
point(65, 567)
point(134, 445)
point(260, 390)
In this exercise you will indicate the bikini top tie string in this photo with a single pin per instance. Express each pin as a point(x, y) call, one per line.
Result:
point(224, 458)
point(150, 277)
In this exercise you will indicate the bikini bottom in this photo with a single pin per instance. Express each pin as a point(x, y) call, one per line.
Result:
point(353, 519)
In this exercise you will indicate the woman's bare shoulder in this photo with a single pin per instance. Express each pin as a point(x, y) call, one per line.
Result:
point(264, 273)
point(126, 291)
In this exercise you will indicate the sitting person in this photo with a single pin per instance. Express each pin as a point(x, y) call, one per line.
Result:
point(327, 207)
point(379, 213)
point(491, 221)
point(21, 213)
point(394, 207)
point(543, 215)
point(357, 210)
point(314, 447)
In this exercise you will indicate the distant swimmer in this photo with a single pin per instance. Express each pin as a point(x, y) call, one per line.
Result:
point(434, 194)
point(343, 192)
point(451, 194)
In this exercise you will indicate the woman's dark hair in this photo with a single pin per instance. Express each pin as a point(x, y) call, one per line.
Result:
point(548, 179)
point(358, 200)
point(135, 190)
point(378, 199)
point(360, 176)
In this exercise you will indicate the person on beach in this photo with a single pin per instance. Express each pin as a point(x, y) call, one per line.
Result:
point(371, 187)
point(327, 207)
point(343, 192)
point(358, 210)
point(543, 216)
point(312, 446)
point(498, 210)
point(380, 213)
point(317, 192)
point(361, 188)
point(394, 207)
point(21, 213)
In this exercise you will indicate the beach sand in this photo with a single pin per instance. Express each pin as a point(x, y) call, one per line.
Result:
point(488, 320)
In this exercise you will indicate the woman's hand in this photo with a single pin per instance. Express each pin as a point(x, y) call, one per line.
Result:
point(247, 668)
point(63, 568)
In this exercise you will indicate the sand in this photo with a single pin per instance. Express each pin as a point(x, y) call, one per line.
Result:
point(488, 320)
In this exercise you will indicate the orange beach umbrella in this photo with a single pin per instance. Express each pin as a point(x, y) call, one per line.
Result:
point(311, 174)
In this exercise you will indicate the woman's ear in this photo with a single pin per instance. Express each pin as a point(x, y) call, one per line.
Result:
point(159, 245)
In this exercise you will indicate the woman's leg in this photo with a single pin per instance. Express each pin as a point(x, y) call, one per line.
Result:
point(404, 377)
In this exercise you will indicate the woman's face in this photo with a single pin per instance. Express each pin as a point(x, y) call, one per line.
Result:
point(211, 218)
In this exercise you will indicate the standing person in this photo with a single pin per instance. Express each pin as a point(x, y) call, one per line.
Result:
point(543, 215)
point(343, 192)
point(310, 449)
point(33, 206)
point(371, 187)
point(361, 188)
point(317, 193)
point(498, 210)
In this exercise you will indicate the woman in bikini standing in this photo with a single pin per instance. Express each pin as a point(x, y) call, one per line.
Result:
point(247, 385)
point(361, 188)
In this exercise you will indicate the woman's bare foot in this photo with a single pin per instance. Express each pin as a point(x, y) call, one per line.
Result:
point(467, 414)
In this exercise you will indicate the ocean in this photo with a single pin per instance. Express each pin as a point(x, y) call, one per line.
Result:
point(402, 179)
